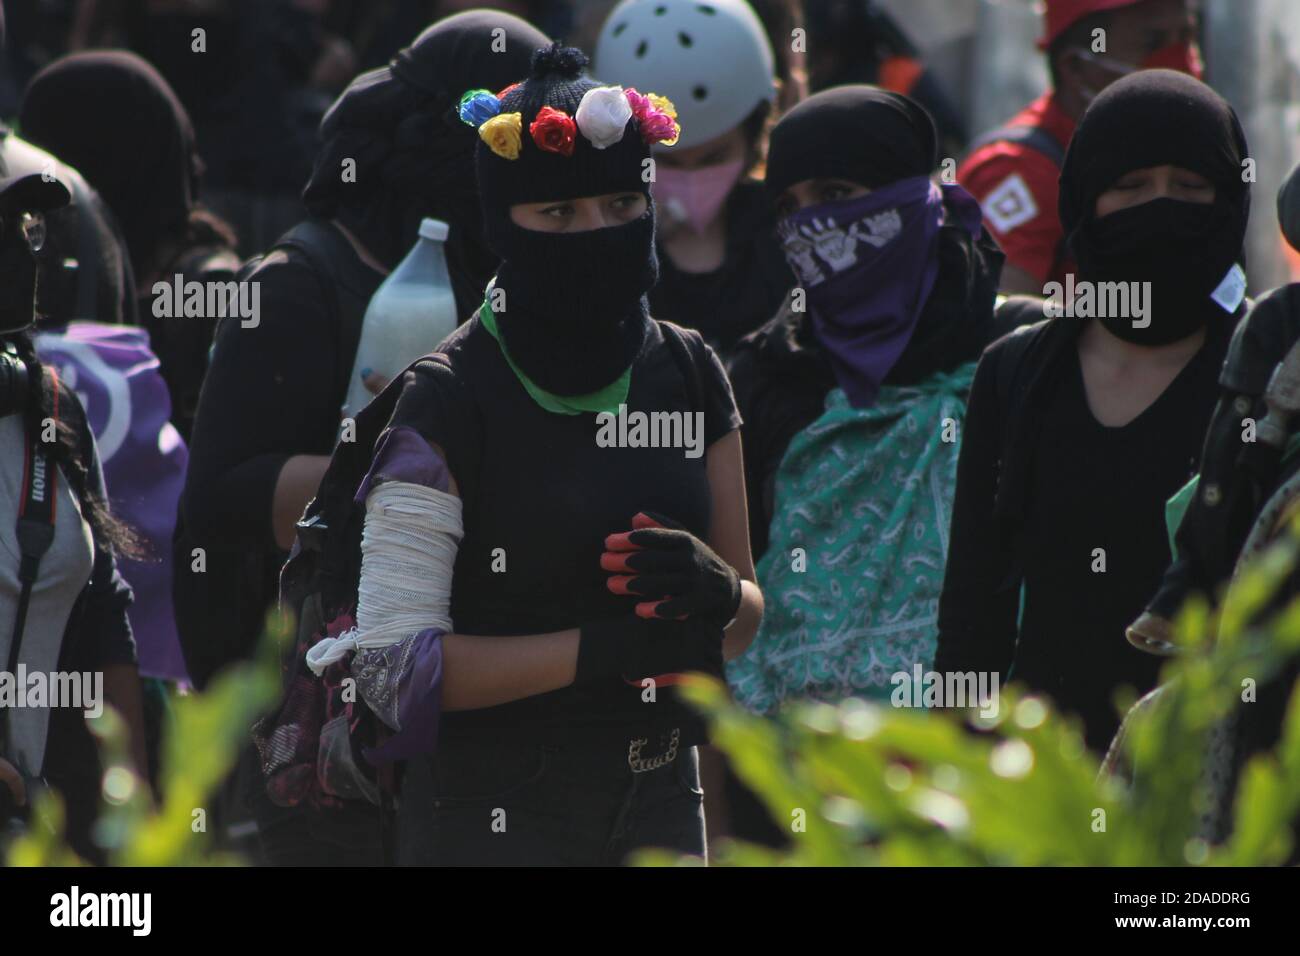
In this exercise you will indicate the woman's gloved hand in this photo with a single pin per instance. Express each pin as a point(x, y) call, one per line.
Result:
point(683, 578)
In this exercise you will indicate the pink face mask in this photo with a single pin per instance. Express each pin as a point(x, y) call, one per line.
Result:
point(694, 196)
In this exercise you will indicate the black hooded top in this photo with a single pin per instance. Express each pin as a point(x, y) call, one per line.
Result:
point(414, 157)
point(115, 118)
point(1058, 532)
point(112, 116)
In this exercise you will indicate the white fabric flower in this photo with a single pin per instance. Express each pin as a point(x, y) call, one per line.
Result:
point(602, 115)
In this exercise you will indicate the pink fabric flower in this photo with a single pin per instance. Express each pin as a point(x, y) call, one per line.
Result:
point(638, 102)
point(657, 127)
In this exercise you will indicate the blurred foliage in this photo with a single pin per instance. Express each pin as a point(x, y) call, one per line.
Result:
point(200, 747)
point(859, 783)
point(883, 786)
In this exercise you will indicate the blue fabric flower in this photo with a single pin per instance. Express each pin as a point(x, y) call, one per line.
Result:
point(477, 107)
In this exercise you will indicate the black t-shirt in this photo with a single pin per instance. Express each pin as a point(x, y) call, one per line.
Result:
point(540, 495)
point(742, 293)
point(1086, 487)
point(272, 391)
point(1098, 495)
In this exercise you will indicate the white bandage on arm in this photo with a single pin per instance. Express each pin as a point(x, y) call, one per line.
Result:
point(408, 551)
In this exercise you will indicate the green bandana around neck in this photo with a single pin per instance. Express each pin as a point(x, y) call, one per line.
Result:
point(606, 399)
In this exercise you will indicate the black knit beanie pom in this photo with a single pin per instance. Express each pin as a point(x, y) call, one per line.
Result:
point(563, 61)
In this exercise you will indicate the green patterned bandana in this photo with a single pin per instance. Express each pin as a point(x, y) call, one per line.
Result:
point(853, 572)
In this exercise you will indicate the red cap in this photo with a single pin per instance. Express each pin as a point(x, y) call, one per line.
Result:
point(1060, 15)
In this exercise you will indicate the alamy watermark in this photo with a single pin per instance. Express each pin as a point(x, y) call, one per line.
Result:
point(1098, 300)
point(72, 689)
point(208, 300)
point(130, 910)
point(651, 430)
point(958, 689)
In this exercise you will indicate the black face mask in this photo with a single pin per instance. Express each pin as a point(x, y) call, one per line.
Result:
point(1183, 249)
point(574, 314)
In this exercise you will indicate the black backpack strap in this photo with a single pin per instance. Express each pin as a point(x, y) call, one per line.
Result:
point(1029, 363)
point(686, 364)
point(329, 532)
point(37, 510)
point(35, 528)
point(1033, 137)
point(1013, 372)
point(332, 258)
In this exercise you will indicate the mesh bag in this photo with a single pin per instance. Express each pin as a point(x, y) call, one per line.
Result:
point(311, 746)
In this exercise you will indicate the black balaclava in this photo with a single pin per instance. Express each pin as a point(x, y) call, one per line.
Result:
point(1184, 249)
point(575, 312)
point(113, 117)
point(414, 157)
point(860, 133)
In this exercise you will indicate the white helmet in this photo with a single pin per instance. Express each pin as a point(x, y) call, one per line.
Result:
point(711, 58)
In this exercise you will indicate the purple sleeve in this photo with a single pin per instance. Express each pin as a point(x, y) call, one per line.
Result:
point(402, 454)
point(403, 684)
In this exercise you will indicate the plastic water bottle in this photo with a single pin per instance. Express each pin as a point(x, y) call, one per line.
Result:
point(408, 316)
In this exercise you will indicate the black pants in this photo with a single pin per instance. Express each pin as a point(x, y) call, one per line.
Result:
point(303, 836)
point(747, 816)
point(503, 803)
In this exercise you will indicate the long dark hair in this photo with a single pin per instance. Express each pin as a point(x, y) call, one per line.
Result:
point(110, 532)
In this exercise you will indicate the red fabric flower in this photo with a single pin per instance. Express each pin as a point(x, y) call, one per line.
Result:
point(554, 131)
point(502, 94)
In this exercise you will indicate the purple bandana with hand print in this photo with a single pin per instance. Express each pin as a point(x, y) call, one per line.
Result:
point(867, 266)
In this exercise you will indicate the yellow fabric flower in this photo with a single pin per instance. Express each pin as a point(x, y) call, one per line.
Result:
point(503, 134)
point(662, 103)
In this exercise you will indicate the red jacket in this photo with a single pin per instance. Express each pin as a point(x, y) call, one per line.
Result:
point(1017, 186)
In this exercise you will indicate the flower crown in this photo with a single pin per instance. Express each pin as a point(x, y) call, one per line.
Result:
point(601, 117)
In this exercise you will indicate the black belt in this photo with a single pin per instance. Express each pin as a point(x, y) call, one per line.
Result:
point(640, 748)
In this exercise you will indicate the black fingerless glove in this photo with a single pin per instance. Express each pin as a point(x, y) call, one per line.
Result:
point(633, 648)
point(681, 575)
